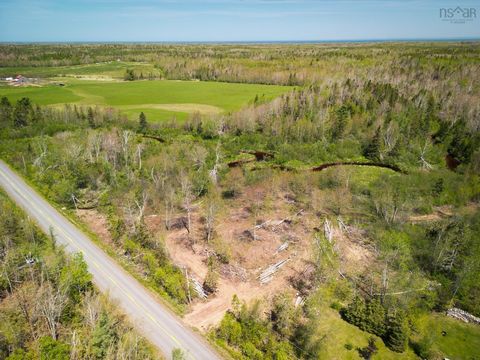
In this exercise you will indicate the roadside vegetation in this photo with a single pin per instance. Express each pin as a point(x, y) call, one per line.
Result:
point(49, 308)
point(366, 171)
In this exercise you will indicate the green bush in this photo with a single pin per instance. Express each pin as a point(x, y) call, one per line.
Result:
point(372, 317)
point(51, 349)
point(103, 337)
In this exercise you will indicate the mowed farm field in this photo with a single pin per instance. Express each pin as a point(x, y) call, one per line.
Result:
point(159, 99)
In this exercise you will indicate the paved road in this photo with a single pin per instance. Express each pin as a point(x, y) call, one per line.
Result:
point(152, 319)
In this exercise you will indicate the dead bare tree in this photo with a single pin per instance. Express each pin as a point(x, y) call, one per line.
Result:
point(383, 290)
point(141, 204)
point(51, 303)
point(138, 155)
point(126, 138)
point(128, 347)
point(390, 137)
point(92, 308)
point(25, 302)
point(214, 172)
point(187, 198)
point(42, 149)
point(94, 146)
point(134, 209)
point(328, 231)
point(110, 143)
point(169, 202)
point(425, 164)
point(198, 155)
point(212, 207)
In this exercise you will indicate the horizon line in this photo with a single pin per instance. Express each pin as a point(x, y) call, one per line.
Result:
point(374, 40)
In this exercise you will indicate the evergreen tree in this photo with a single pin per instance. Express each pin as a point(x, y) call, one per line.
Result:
point(372, 149)
point(22, 112)
point(462, 145)
point(355, 312)
point(374, 321)
point(282, 315)
point(37, 114)
point(340, 122)
point(397, 332)
point(211, 280)
point(368, 316)
point(129, 75)
point(142, 123)
point(91, 118)
point(5, 110)
point(103, 337)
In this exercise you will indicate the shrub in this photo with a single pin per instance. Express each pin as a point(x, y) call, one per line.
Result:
point(368, 351)
point(422, 348)
point(230, 329)
point(51, 349)
point(103, 337)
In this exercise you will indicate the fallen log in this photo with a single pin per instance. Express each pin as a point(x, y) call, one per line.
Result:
point(158, 138)
point(276, 223)
point(267, 274)
point(282, 247)
point(237, 163)
point(198, 288)
point(357, 163)
point(327, 165)
point(462, 315)
point(259, 155)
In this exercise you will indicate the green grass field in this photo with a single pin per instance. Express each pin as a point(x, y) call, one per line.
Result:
point(458, 341)
point(160, 99)
point(110, 69)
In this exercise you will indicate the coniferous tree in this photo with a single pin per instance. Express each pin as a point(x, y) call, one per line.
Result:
point(5, 110)
point(211, 280)
point(103, 337)
point(142, 123)
point(340, 122)
point(22, 112)
point(129, 75)
point(372, 149)
point(397, 332)
point(91, 118)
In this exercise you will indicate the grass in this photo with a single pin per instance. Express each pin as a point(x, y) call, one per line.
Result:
point(336, 333)
point(460, 342)
point(47, 95)
point(160, 100)
point(112, 69)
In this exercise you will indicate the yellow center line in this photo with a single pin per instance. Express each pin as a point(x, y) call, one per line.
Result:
point(75, 245)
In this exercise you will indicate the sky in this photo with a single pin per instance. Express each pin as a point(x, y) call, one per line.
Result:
point(232, 20)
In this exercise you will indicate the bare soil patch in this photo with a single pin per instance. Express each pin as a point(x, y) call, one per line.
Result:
point(97, 222)
point(439, 213)
point(260, 228)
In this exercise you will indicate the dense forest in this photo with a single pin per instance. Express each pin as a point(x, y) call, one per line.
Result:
point(378, 146)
